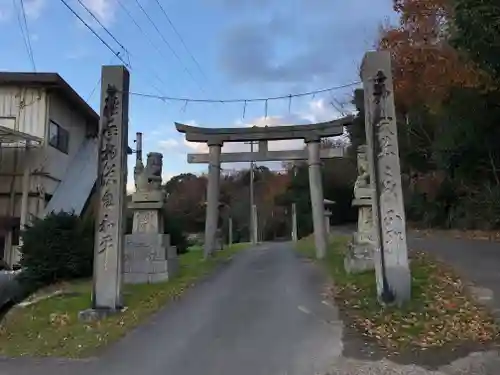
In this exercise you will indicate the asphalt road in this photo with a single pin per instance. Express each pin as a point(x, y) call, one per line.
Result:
point(261, 315)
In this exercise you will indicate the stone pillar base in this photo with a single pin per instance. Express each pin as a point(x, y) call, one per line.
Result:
point(93, 315)
point(359, 257)
point(149, 258)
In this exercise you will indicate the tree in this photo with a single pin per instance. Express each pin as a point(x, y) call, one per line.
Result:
point(426, 66)
point(477, 32)
point(186, 201)
point(444, 55)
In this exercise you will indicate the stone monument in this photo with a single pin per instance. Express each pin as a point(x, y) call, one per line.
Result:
point(149, 257)
point(392, 267)
point(360, 255)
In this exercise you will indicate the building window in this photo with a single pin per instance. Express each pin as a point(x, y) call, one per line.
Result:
point(16, 233)
point(58, 137)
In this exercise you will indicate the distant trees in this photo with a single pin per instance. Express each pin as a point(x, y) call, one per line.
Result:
point(274, 193)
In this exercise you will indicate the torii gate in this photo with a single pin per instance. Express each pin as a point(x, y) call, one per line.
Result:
point(311, 134)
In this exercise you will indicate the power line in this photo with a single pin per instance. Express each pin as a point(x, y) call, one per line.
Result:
point(181, 39)
point(249, 100)
point(168, 44)
point(138, 26)
point(26, 37)
point(117, 54)
point(98, 81)
point(124, 8)
point(104, 27)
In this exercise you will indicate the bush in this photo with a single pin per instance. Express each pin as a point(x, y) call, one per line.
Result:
point(56, 248)
point(177, 236)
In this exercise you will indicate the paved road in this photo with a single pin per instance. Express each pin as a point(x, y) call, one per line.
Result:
point(261, 315)
point(476, 260)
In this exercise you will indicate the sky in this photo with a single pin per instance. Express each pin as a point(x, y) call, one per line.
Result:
point(209, 49)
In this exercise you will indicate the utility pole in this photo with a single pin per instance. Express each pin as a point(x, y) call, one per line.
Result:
point(295, 235)
point(253, 216)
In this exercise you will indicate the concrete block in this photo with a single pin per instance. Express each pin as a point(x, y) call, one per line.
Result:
point(146, 245)
point(158, 266)
point(93, 315)
point(359, 257)
point(145, 205)
point(148, 196)
point(139, 266)
point(135, 278)
point(158, 277)
point(171, 252)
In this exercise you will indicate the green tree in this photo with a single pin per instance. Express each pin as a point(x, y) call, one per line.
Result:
point(477, 32)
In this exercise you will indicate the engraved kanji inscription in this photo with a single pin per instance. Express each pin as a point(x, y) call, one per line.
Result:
point(105, 243)
point(108, 200)
point(105, 224)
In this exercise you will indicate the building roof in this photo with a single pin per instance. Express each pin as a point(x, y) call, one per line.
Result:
point(52, 81)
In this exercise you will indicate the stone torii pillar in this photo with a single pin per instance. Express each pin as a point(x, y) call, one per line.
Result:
point(295, 234)
point(212, 211)
point(391, 255)
point(317, 205)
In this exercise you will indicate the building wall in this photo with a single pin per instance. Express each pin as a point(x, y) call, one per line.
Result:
point(47, 164)
point(24, 110)
point(27, 106)
point(71, 120)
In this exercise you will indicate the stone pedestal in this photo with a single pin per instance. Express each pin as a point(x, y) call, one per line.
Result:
point(147, 212)
point(149, 256)
point(360, 254)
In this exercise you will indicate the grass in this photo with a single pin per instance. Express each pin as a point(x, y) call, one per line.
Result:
point(440, 313)
point(51, 327)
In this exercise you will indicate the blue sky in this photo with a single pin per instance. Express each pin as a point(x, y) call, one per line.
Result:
point(241, 49)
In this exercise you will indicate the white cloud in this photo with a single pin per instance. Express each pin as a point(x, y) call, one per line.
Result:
point(78, 53)
point(34, 8)
point(5, 10)
point(104, 10)
point(169, 144)
point(130, 186)
point(196, 147)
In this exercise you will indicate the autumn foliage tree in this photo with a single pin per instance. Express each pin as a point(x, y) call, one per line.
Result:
point(445, 60)
point(426, 66)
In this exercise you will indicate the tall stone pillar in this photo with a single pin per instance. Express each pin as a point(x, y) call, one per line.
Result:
point(111, 184)
point(230, 230)
point(255, 225)
point(391, 256)
point(295, 235)
point(212, 213)
point(316, 188)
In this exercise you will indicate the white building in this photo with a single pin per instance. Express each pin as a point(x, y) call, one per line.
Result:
point(48, 152)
